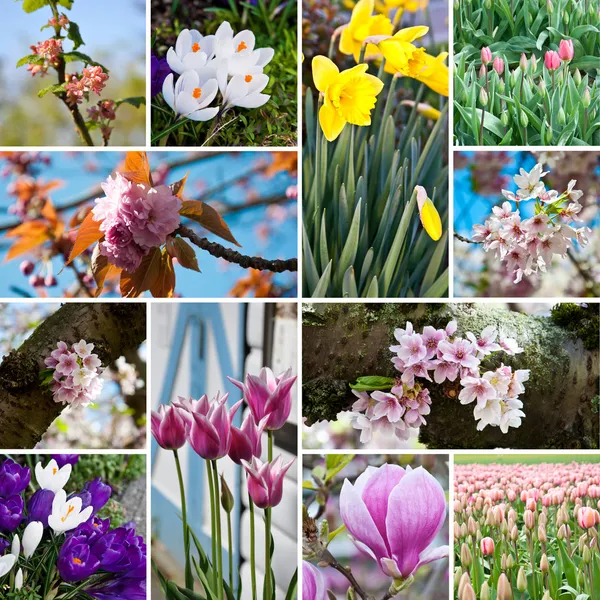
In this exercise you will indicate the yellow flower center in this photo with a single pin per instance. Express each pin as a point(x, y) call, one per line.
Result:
point(241, 47)
point(69, 511)
point(354, 100)
point(197, 93)
point(196, 47)
point(248, 78)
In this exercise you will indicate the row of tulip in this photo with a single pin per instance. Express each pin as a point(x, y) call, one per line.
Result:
point(527, 531)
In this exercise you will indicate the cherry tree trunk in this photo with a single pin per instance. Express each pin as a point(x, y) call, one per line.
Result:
point(27, 409)
point(341, 342)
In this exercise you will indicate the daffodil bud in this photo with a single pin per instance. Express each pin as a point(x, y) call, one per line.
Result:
point(521, 580)
point(561, 118)
point(483, 97)
point(586, 98)
point(430, 218)
point(523, 119)
point(544, 565)
point(466, 559)
point(484, 592)
point(577, 77)
point(504, 590)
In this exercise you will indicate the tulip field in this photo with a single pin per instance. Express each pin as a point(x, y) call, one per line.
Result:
point(527, 73)
point(527, 530)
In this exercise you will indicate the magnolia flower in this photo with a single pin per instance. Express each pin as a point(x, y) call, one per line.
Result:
point(192, 51)
point(7, 562)
point(313, 584)
point(191, 95)
point(67, 514)
point(394, 515)
point(32, 536)
point(51, 477)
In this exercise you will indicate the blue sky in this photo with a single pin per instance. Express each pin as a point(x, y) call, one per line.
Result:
point(84, 171)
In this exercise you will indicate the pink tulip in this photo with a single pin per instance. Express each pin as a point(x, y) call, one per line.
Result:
point(529, 519)
point(551, 60)
point(394, 515)
point(587, 517)
point(498, 65)
point(566, 51)
point(313, 584)
point(169, 427)
point(246, 441)
point(531, 504)
point(268, 395)
point(486, 55)
point(265, 481)
point(487, 546)
point(210, 430)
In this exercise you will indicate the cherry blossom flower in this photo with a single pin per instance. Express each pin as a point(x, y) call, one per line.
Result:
point(459, 351)
point(529, 184)
point(486, 343)
point(388, 405)
point(412, 349)
point(476, 388)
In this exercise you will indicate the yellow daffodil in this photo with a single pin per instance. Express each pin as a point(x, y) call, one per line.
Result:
point(403, 57)
point(386, 7)
point(430, 218)
point(424, 109)
point(350, 96)
point(363, 25)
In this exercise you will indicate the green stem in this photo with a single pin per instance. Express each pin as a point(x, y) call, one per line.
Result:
point(189, 578)
point(230, 546)
point(268, 591)
point(168, 130)
point(213, 536)
point(218, 528)
point(252, 548)
point(270, 446)
point(532, 560)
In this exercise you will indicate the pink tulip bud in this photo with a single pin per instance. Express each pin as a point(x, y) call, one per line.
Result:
point(169, 427)
point(587, 517)
point(551, 60)
point(529, 519)
point(499, 68)
point(531, 504)
point(566, 51)
point(486, 55)
point(487, 546)
point(265, 481)
point(504, 588)
point(523, 62)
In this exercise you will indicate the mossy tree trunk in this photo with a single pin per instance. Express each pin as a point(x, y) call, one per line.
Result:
point(26, 409)
point(344, 341)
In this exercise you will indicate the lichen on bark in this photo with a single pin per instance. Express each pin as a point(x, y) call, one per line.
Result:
point(344, 341)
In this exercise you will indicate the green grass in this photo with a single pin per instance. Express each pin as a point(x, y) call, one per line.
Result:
point(529, 459)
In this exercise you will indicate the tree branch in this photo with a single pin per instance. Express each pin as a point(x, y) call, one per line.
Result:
point(464, 239)
point(26, 409)
point(334, 564)
point(247, 262)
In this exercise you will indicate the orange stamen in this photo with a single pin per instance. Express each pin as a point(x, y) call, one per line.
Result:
point(195, 47)
point(77, 561)
point(241, 47)
point(69, 511)
point(54, 471)
point(248, 78)
point(197, 93)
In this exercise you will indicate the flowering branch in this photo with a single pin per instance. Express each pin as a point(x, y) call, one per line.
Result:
point(462, 238)
point(246, 262)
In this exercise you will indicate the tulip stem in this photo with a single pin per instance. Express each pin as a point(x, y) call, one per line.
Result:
point(230, 546)
point(268, 591)
point(213, 537)
point(270, 446)
point(218, 528)
point(189, 578)
point(252, 548)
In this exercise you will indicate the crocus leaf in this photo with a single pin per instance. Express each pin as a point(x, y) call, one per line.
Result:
point(88, 233)
point(144, 278)
point(208, 217)
point(186, 256)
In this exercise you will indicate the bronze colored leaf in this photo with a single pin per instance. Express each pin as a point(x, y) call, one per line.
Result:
point(88, 233)
point(164, 286)
point(208, 217)
point(177, 187)
point(137, 168)
point(133, 284)
point(184, 253)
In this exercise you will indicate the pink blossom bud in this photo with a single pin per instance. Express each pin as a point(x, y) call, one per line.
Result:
point(50, 281)
point(36, 281)
point(487, 546)
point(26, 267)
point(551, 60)
point(499, 68)
point(486, 55)
point(566, 51)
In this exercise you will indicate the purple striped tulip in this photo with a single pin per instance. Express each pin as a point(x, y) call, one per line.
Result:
point(169, 427)
point(265, 481)
point(394, 515)
point(209, 433)
point(268, 395)
point(313, 584)
point(246, 441)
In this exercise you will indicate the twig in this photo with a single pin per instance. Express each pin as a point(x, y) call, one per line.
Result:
point(464, 239)
point(334, 564)
point(210, 137)
point(80, 278)
point(247, 262)
point(585, 273)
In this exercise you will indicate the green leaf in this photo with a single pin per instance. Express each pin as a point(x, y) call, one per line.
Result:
point(33, 5)
point(74, 35)
point(321, 289)
point(68, 4)
point(136, 101)
point(84, 58)
point(336, 532)
point(54, 89)
point(334, 463)
point(30, 59)
point(291, 592)
point(371, 383)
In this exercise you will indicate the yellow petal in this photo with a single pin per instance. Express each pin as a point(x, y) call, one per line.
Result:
point(324, 72)
point(347, 41)
point(362, 12)
point(410, 34)
point(430, 218)
point(397, 53)
point(331, 123)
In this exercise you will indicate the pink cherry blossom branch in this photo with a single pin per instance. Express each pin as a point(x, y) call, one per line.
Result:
point(465, 239)
point(246, 262)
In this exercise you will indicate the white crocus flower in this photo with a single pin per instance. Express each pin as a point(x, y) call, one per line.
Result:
point(15, 548)
point(192, 51)
point(529, 184)
point(67, 514)
point(7, 562)
point(243, 90)
point(51, 477)
point(32, 536)
point(19, 579)
point(191, 95)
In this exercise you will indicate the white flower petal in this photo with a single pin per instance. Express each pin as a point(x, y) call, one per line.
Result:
point(204, 114)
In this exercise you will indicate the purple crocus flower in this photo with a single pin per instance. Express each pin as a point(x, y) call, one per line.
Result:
point(11, 512)
point(394, 515)
point(14, 478)
point(132, 588)
point(4, 544)
point(121, 550)
point(99, 493)
point(159, 71)
point(75, 559)
point(313, 584)
point(93, 529)
point(65, 459)
point(39, 507)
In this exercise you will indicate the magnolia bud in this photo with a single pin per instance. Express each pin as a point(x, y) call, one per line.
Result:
point(504, 591)
point(466, 557)
point(544, 565)
point(483, 97)
point(484, 592)
point(521, 580)
point(586, 98)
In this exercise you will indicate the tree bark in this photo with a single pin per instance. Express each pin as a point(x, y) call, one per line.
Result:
point(26, 409)
point(344, 341)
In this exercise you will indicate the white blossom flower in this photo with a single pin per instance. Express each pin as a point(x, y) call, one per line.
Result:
point(51, 477)
point(529, 184)
point(192, 51)
point(67, 514)
point(191, 95)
